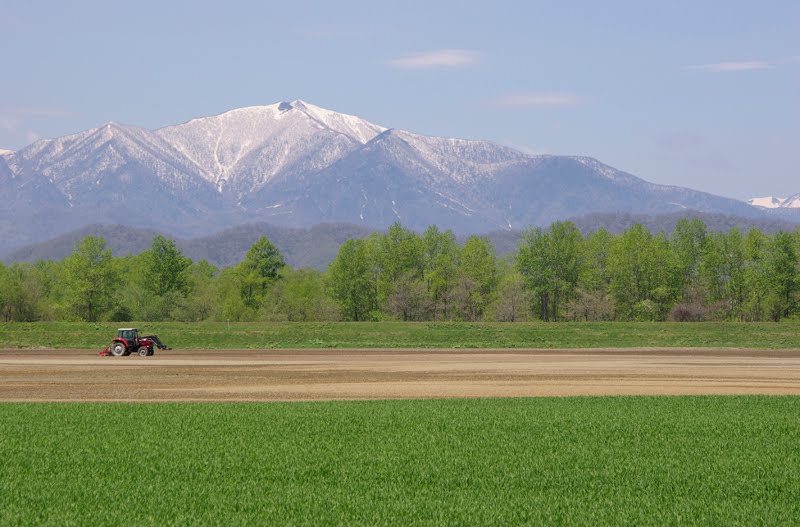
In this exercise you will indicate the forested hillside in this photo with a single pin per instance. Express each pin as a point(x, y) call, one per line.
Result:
point(555, 274)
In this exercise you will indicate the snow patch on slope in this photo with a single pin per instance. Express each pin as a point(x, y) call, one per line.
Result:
point(792, 202)
point(349, 125)
point(768, 202)
point(462, 160)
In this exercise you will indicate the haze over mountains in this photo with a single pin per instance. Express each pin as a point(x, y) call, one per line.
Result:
point(297, 165)
point(317, 246)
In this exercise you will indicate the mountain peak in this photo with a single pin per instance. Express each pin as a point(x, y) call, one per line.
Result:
point(296, 104)
point(4, 152)
point(352, 126)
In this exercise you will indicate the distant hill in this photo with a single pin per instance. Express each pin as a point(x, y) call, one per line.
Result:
point(314, 247)
point(317, 246)
point(618, 222)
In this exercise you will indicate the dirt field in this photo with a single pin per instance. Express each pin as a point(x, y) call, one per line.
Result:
point(290, 375)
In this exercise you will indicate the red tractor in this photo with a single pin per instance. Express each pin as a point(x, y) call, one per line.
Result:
point(128, 341)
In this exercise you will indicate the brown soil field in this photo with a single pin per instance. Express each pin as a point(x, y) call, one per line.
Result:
point(301, 375)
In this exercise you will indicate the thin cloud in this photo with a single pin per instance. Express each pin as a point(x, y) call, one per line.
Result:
point(729, 67)
point(444, 58)
point(537, 100)
point(744, 65)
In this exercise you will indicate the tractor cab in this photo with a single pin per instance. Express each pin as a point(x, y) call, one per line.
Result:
point(131, 335)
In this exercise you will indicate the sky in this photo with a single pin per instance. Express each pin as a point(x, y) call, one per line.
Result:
point(702, 94)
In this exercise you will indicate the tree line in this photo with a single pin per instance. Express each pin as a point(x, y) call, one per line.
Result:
point(557, 273)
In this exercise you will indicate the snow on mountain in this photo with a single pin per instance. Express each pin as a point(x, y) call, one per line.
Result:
point(769, 202)
point(245, 148)
point(459, 159)
point(112, 164)
point(792, 202)
point(4, 152)
point(297, 164)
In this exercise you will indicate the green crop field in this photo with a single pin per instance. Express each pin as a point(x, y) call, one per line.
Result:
point(216, 335)
point(579, 461)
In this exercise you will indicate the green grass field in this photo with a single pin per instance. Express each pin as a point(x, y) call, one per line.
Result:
point(570, 461)
point(214, 335)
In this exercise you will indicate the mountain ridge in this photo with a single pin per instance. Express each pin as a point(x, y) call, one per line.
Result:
point(297, 165)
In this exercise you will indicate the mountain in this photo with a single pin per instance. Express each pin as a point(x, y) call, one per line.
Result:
point(296, 165)
point(771, 202)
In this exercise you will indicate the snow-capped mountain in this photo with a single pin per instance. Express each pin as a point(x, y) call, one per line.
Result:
point(241, 151)
point(771, 202)
point(296, 164)
point(4, 152)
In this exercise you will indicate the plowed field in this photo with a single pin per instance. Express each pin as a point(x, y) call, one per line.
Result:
point(289, 375)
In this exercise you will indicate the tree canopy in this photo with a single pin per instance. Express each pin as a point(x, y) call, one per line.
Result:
point(556, 274)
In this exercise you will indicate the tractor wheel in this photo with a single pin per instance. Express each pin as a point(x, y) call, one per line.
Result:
point(150, 352)
point(118, 349)
point(143, 351)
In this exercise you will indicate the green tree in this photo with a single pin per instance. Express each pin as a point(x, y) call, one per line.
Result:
point(643, 274)
point(408, 300)
point(441, 254)
point(512, 300)
point(688, 243)
point(164, 267)
point(19, 293)
point(398, 253)
point(781, 264)
point(202, 302)
point(301, 295)
point(756, 276)
point(259, 270)
point(551, 263)
point(478, 264)
point(89, 279)
point(722, 272)
point(351, 281)
point(594, 276)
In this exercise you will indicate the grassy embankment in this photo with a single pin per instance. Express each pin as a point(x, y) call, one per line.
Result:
point(580, 461)
point(215, 335)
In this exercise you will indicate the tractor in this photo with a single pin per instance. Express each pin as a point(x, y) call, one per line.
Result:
point(128, 341)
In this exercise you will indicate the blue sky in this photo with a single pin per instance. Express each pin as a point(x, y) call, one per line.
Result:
point(691, 93)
